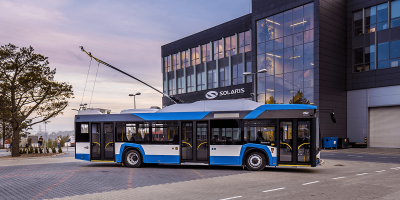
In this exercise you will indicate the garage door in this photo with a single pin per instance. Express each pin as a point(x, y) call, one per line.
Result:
point(384, 124)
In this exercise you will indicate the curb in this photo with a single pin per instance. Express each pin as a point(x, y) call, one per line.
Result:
point(19, 158)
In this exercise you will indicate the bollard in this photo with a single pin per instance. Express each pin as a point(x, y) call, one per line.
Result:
point(365, 140)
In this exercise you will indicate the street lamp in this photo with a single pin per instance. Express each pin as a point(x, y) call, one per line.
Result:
point(254, 80)
point(134, 99)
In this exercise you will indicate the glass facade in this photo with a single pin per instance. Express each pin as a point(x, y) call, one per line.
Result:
point(285, 48)
point(191, 75)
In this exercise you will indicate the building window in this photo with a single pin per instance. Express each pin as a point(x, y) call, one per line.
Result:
point(212, 78)
point(172, 86)
point(205, 52)
point(375, 19)
point(237, 73)
point(248, 68)
point(285, 48)
point(195, 56)
point(167, 65)
point(185, 59)
point(244, 42)
point(175, 61)
point(191, 81)
point(224, 76)
point(364, 58)
point(383, 55)
point(395, 53)
point(382, 16)
point(370, 19)
point(181, 85)
point(165, 85)
point(230, 46)
point(395, 13)
point(201, 78)
point(218, 49)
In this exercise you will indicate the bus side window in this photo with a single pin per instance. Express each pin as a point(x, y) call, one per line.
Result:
point(82, 132)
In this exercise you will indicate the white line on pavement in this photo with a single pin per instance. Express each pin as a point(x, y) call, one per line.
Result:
point(394, 168)
point(274, 189)
point(310, 183)
point(383, 157)
point(232, 198)
point(361, 174)
point(351, 155)
point(338, 178)
point(381, 171)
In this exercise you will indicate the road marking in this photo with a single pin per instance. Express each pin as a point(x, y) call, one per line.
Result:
point(351, 155)
point(359, 156)
point(381, 171)
point(394, 168)
point(383, 157)
point(130, 177)
point(232, 198)
point(198, 173)
point(338, 178)
point(310, 183)
point(361, 174)
point(274, 189)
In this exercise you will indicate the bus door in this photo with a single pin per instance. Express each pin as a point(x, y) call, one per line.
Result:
point(102, 141)
point(194, 142)
point(295, 142)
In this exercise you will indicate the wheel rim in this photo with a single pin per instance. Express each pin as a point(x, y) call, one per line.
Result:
point(255, 161)
point(133, 158)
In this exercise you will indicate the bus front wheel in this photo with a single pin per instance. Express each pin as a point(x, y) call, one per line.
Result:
point(255, 161)
point(133, 158)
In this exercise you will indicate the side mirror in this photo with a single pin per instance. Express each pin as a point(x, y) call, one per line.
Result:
point(333, 118)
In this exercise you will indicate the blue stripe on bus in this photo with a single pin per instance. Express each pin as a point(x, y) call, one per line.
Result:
point(172, 116)
point(168, 159)
point(256, 112)
point(83, 157)
point(224, 160)
point(271, 159)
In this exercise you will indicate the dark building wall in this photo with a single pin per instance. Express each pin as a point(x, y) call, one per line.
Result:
point(373, 78)
point(226, 29)
point(330, 65)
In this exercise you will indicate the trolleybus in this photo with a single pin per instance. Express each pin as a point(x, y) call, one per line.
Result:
point(215, 132)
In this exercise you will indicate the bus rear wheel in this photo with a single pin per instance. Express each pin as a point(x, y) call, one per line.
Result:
point(255, 161)
point(133, 158)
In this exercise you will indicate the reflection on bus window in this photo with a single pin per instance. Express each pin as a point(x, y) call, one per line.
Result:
point(143, 133)
point(225, 135)
point(262, 132)
point(84, 128)
point(303, 141)
point(165, 133)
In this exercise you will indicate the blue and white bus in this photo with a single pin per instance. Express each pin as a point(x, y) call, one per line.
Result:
point(218, 132)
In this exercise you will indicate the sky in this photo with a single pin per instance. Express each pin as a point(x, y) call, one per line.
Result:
point(126, 34)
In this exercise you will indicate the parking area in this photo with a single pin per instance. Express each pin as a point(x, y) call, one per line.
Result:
point(65, 177)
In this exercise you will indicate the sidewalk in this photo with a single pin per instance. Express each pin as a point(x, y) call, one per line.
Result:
point(371, 151)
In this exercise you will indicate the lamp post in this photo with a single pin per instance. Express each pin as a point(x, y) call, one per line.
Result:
point(134, 99)
point(254, 80)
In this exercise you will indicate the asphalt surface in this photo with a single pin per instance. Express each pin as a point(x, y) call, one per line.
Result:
point(347, 174)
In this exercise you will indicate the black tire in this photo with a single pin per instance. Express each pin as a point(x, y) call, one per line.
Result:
point(255, 161)
point(132, 158)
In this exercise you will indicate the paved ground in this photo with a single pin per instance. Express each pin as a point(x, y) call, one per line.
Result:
point(347, 174)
